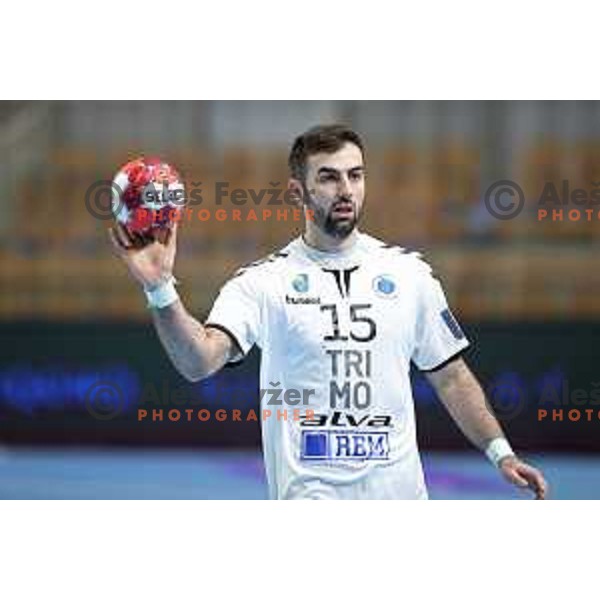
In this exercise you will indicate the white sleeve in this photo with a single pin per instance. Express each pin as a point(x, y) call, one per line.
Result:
point(236, 311)
point(438, 336)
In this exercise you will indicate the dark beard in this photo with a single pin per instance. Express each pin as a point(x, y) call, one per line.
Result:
point(341, 228)
point(326, 222)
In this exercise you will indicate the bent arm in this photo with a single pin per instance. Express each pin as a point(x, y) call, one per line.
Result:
point(461, 394)
point(195, 351)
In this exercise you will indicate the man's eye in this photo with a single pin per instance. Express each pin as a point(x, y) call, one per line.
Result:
point(326, 178)
point(356, 176)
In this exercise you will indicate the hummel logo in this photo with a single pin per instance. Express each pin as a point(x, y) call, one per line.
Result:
point(302, 299)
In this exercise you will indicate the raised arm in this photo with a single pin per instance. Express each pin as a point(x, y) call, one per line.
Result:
point(195, 350)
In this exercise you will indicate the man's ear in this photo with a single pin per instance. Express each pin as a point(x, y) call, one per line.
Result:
point(295, 192)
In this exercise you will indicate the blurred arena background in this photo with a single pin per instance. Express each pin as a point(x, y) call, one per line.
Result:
point(527, 291)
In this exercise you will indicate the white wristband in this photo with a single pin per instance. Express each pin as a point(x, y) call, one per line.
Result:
point(498, 449)
point(162, 295)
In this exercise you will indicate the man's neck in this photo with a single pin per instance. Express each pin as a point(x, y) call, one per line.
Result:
point(323, 242)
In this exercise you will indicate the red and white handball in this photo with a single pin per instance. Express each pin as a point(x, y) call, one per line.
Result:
point(147, 195)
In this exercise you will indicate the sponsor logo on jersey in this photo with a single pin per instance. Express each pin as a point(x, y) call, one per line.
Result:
point(302, 299)
point(385, 286)
point(300, 283)
point(341, 419)
point(452, 324)
point(344, 445)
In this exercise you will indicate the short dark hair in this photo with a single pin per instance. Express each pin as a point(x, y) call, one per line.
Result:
point(322, 138)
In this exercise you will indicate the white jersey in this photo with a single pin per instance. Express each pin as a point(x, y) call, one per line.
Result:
point(338, 332)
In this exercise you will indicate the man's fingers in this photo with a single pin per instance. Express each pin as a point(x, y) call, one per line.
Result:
point(129, 240)
point(516, 478)
point(116, 242)
point(526, 476)
point(537, 483)
point(162, 236)
point(141, 240)
point(124, 239)
point(123, 236)
point(171, 236)
point(148, 238)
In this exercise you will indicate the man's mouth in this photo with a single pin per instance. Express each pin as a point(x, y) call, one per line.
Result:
point(342, 209)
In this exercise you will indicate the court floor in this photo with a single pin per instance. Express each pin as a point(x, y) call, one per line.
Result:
point(50, 473)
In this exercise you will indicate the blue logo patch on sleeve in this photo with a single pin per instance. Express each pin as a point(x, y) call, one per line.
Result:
point(452, 324)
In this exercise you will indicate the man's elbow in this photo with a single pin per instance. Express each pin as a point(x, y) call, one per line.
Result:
point(193, 376)
point(211, 359)
point(197, 373)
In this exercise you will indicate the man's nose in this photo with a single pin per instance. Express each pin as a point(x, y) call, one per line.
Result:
point(344, 187)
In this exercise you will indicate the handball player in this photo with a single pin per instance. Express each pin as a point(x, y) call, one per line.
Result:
point(344, 314)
